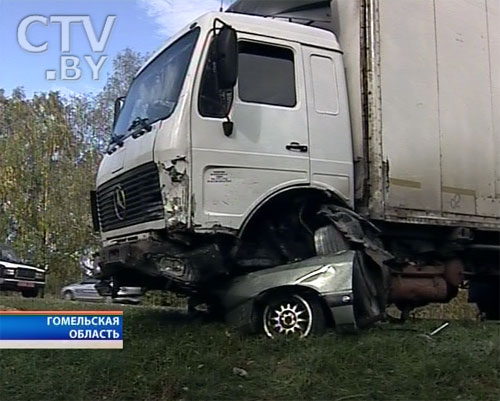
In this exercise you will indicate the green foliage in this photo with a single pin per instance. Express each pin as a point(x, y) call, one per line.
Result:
point(44, 185)
point(162, 298)
point(51, 148)
point(168, 355)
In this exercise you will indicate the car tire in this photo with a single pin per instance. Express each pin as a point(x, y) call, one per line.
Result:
point(30, 293)
point(68, 296)
point(292, 314)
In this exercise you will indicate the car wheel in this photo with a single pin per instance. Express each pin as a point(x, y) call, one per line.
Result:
point(68, 296)
point(30, 294)
point(292, 315)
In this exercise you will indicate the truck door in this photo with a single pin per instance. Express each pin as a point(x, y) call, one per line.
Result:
point(329, 124)
point(268, 149)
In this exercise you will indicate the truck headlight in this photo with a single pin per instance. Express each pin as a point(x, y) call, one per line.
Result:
point(39, 276)
point(9, 272)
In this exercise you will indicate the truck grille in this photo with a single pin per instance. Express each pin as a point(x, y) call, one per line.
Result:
point(131, 198)
point(25, 273)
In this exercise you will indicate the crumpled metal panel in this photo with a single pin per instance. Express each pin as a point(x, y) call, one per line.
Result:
point(358, 230)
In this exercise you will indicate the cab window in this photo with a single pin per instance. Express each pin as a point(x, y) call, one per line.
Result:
point(266, 74)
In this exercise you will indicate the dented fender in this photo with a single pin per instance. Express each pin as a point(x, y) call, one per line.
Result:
point(175, 192)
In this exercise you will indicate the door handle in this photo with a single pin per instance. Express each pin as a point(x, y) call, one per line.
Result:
point(296, 146)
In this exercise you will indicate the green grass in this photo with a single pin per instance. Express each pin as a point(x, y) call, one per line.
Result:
point(169, 356)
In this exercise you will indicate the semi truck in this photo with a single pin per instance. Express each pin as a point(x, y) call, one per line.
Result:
point(277, 133)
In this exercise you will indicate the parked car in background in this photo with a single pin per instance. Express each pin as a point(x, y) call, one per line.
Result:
point(85, 291)
point(15, 275)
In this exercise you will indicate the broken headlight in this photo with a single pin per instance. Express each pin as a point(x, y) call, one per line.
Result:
point(171, 266)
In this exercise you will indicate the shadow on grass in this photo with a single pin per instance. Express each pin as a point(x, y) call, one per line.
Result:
point(150, 323)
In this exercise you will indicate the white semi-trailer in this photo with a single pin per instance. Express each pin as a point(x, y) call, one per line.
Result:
point(281, 130)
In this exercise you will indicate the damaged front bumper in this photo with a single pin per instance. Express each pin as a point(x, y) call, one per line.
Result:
point(160, 265)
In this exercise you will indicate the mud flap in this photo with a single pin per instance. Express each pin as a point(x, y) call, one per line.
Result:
point(369, 303)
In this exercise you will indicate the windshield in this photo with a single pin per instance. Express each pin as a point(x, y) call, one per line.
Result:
point(7, 254)
point(154, 93)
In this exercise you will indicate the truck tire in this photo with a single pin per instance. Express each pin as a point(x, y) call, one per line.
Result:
point(292, 314)
point(491, 312)
point(486, 294)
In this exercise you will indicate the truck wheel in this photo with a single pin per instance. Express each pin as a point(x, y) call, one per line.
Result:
point(491, 312)
point(292, 315)
point(68, 296)
point(486, 294)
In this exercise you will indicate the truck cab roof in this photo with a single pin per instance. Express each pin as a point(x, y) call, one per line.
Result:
point(316, 13)
point(266, 26)
point(277, 28)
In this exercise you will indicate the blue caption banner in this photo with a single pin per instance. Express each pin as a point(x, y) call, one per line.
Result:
point(61, 329)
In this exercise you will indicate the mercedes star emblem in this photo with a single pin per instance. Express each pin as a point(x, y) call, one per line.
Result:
point(120, 202)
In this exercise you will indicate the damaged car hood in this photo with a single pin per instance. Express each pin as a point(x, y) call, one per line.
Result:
point(324, 274)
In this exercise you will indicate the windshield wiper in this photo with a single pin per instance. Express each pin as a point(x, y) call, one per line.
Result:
point(115, 143)
point(140, 125)
point(115, 139)
point(143, 126)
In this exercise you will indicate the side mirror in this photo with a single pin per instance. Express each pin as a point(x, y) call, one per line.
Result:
point(227, 57)
point(118, 108)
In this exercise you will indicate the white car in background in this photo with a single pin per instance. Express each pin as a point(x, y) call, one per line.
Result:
point(15, 275)
point(85, 291)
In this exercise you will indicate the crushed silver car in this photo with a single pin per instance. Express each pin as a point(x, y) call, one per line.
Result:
point(303, 298)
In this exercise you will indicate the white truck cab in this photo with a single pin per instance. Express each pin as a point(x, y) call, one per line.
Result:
point(252, 141)
point(291, 90)
point(190, 160)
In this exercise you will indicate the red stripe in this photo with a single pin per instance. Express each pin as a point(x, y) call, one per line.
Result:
point(51, 312)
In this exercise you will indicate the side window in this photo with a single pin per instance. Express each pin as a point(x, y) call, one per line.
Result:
point(266, 74)
point(324, 78)
point(213, 102)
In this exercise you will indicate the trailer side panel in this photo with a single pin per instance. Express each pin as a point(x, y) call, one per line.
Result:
point(439, 89)
point(410, 104)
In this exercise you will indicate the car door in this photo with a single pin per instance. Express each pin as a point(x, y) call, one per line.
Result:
point(87, 291)
point(268, 148)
